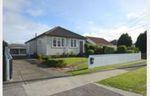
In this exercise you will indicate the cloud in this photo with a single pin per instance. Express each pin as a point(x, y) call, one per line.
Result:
point(113, 33)
point(18, 28)
point(35, 12)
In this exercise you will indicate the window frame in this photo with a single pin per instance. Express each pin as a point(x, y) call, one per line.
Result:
point(55, 42)
point(73, 43)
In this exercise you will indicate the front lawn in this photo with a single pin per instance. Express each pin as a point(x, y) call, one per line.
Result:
point(134, 81)
point(85, 70)
point(77, 62)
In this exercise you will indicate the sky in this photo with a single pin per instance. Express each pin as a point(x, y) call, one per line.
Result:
point(106, 19)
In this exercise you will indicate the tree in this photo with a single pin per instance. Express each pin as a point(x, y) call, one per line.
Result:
point(125, 39)
point(141, 42)
point(121, 49)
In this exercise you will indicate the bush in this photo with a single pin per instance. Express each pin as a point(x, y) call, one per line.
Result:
point(99, 50)
point(130, 51)
point(40, 57)
point(135, 50)
point(121, 49)
point(55, 63)
point(109, 50)
point(90, 52)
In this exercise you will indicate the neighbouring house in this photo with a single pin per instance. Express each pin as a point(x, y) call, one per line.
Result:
point(56, 41)
point(18, 50)
point(99, 41)
point(114, 42)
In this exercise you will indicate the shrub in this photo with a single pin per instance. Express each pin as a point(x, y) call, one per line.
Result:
point(99, 50)
point(40, 57)
point(130, 51)
point(109, 50)
point(55, 63)
point(121, 49)
point(90, 52)
point(136, 50)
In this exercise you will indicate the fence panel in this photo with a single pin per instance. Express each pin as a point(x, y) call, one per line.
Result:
point(108, 59)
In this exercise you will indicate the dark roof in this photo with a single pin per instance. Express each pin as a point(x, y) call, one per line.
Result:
point(99, 40)
point(60, 32)
point(17, 45)
point(114, 42)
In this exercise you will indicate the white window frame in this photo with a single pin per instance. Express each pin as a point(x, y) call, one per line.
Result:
point(63, 42)
point(53, 41)
point(59, 39)
point(74, 41)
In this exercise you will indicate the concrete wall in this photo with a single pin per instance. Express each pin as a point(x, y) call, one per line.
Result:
point(108, 59)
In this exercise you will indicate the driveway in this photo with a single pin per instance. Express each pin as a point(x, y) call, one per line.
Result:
point(29, 69)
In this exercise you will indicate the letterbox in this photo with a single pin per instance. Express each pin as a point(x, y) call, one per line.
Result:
point(91, 60)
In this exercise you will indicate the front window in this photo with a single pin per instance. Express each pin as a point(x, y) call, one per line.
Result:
point(71, 43)
point(62, 41)
point(14, 51)
point(58, 42)
point(54, 42)
point(75, 43)
point(22, 51)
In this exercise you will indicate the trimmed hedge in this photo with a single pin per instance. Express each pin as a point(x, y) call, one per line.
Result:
point(55, 63)
point(108, 50)
point(90, 52)
point(121, 49)
point(134, 49)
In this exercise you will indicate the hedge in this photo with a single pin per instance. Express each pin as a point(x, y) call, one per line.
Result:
point(55, 63)
point(121, 49)
point(109, 50)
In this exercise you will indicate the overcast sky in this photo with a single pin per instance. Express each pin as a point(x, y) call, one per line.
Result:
point(101, 18)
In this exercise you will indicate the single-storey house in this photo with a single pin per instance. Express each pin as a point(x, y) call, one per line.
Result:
point(56, 41)
point(99, 41)
point(17, 50)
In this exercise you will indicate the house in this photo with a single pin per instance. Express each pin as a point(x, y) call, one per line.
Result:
point(100, 41)
point(18, 50)
point(114, 42)
point(56, 41)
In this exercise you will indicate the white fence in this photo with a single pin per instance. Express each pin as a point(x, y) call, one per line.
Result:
point(108, 59)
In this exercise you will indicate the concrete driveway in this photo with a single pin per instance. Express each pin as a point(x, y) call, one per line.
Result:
point(29, 69)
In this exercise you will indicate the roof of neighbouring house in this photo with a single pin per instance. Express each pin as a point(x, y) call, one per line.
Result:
point(98, 40)
point(14, 45)
point(60, 32)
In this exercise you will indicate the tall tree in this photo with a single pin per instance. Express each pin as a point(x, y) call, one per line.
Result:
point(141, 42)
point(125, 39)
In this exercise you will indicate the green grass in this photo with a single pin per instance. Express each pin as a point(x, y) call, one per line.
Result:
point(78, 62)
point(108, 67)
point(134, 81)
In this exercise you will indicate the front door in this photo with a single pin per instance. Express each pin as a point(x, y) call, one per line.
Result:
point(81, 46)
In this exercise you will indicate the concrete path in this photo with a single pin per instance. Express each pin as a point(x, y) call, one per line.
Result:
point(29, 69)
point(53, 86)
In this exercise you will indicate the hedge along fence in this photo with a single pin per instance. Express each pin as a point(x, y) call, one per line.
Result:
point(97, 49)
point(109, 59)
